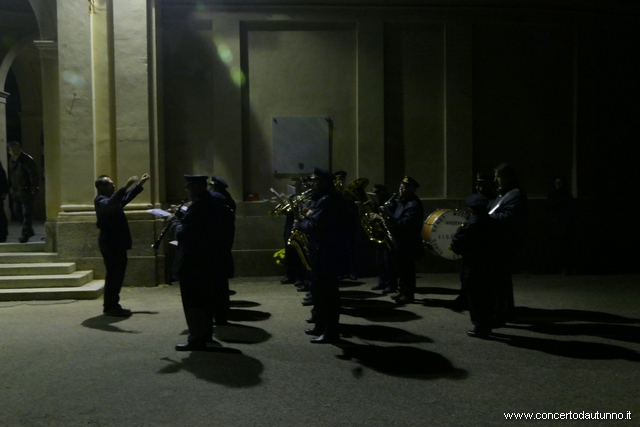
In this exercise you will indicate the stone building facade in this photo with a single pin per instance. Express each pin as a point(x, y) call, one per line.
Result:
point(438, 90)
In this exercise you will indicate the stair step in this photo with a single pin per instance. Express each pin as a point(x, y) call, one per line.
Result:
point(42, 268)
point(91, 290)
point(74, 279)
point(22, 247)
point(27, 257)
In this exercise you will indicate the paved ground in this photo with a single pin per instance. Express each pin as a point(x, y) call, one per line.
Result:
point(575, 347)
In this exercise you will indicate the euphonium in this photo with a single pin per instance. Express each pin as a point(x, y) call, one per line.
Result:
point(376, 231)
point(293, 205)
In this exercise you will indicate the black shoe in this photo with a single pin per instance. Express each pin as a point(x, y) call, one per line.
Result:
point(389, 290)
point(23, 239)
point(379, 288)
point(287, 281)
point(307, 302)
point(192, 346)
point(479, 333)
point(301, 289)
point(326, 338)
point(117, 312)
point(312, 319)
point(313, 331)
point(402, 299)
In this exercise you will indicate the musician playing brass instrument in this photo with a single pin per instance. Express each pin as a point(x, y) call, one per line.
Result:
point(327, 230)
point(405, 222)
point(383, 251)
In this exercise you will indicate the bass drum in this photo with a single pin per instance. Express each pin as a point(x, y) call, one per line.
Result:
point(439, 228)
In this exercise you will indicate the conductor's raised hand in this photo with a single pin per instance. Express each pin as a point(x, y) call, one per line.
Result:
point(132, 180)
point(145, 178)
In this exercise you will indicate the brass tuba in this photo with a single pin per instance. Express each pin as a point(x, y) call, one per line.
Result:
point(293, 205)
point(377, 231)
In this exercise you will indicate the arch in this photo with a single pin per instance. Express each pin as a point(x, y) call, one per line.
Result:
point(45, 11)
point(12, 54)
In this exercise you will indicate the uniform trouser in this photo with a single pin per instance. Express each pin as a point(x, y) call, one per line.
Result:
point(404, 273)
point(325, 289)
point(4, 223)
point(220, 299)
point(204, 297)
point(292, 263)
point(482, 304)
point(197, 295)
point(382, 265)
point(22, 208)
point(115, 262)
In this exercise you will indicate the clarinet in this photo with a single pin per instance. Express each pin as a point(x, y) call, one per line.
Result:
point(168, 221)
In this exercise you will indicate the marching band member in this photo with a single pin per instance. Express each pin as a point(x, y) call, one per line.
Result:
point(327, 231)
point(383, 251)
point(478, 240)
point(204, 242)
point(405, 221)
point(510, 209)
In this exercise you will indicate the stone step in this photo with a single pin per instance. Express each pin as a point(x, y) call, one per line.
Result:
point(22, 247)
point(41, 268)
point(74, 279)
point(91, 290)
point(27, 257)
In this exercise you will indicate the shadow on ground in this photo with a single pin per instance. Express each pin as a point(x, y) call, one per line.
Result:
point(228, 367)
point(242, 315)
point(245, 304)
point(400, 361)
point(572, 349)
point(377, 311)
point(106, 323)
point(241, 334)
point(382, 333)
point(527, 315)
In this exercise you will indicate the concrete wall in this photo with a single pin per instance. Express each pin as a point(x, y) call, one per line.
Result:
point(461, 91)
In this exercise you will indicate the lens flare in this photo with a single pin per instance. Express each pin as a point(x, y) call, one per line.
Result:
point(73, 79)
point(225, 53)
point(237, 76)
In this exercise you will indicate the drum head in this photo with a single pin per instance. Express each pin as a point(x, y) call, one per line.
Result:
point(439, 228)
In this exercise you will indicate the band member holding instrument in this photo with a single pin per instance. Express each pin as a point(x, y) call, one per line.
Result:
point(340, 179)
point(204, 245)
point(486, 188)
point(115, 237)
point(510, 209)
point(405, 221)
point(383, 252)
point(219, 188)
point(325, 225)
point(479, 242)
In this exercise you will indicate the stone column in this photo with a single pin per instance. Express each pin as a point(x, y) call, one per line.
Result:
point(370, 118)
point(133, 118)
point(3, 139)
point(77, 234)
point(51, 131)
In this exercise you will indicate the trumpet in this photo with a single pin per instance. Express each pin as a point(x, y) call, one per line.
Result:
point(168, 221)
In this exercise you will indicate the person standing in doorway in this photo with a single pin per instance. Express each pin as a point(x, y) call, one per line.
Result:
point(4, 190)
point(23, 187)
